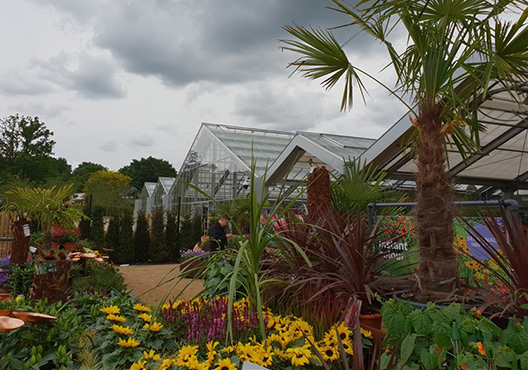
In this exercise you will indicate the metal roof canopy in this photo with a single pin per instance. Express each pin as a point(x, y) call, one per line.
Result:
point(501, 163)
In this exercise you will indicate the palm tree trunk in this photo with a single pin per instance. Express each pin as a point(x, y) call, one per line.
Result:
point(438, 271)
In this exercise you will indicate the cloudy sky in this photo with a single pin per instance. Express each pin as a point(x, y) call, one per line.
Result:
point(121, 80)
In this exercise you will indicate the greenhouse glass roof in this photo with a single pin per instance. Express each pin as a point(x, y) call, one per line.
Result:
point(502, 161)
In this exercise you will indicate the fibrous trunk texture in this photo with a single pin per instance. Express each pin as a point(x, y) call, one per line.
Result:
point(20, 246)
point(438, 271)
point(52, 285)
point(319, 192)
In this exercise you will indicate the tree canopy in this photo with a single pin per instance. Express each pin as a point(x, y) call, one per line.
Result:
point(147, 170)
point(82, 173)
point(106, 189)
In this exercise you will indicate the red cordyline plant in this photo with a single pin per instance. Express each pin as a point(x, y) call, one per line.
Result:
point(348, 260)
point(510, 263)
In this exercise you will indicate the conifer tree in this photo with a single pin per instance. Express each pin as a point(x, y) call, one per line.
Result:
point(142, 238)
point(97, 227)
point(112, 239)
point(158, 242)
point(171, 234)
point(126, 239)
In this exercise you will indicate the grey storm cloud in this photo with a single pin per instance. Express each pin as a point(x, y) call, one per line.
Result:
point(284, 109)
point(90, 76)
point(217, 41)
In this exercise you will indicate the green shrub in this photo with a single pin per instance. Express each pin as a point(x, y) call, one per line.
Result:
point(158, 244)
point(142, 238)
point(126, 239)
point(217, 275)
point(98, 278)
point(20, 278)
point(171, 235)
point(97, 227)
point(112, 237)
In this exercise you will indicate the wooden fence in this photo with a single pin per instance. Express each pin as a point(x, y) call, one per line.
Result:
point(6, 233)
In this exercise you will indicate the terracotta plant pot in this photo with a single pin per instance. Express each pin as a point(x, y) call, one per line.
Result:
point(33, 317)
point(374, 321)
point(4, 296)
point(70, 246)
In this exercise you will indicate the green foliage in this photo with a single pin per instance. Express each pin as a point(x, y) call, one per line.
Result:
point(238, 210)
point(45, 207)
point(434, 338)
point(358, 186)
point(126, 239)
point(147, 170)
point(82, 173)
point(20, 278)
point(33, 348)
point(171, 236)
point(97, 235)
point(190, 231)
point(24, 134)
point(106, 188)
point(41, 170)
point(158, 242)
point(142, 238)
point(112, 237)
point(85, 224)
point(218, 273)
point(97, 277)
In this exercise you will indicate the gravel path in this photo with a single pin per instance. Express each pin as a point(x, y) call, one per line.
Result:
point(143, 281)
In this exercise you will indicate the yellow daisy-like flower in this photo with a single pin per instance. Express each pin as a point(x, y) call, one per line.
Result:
point(202, 366)
point(211, 346)
point(155, 326)
point(281, 354)
point(123, 330)
point(141, 307)
point(343, 330)
point(225, 364)
point(265, 356)
point(229, 349)
point(246, 352)
point(299, 356)
point(330, 339)
point(187, 356)
point(140, 365)
point(366, 333)
point(128, 343)
point(347, 346)
point(329, 353)
point(110, 310)
point(274, 339)
point(151, 355)
point(165, 365)
point(145, 317)
point(117, 318)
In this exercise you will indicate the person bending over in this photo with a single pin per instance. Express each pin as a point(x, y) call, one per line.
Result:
point(217, 235)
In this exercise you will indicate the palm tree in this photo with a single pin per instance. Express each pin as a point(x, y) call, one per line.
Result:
point(455, 50)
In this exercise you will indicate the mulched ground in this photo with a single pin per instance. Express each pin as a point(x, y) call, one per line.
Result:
point(145, 281)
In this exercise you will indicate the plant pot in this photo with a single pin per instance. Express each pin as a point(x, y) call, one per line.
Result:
point(4, 296)
point(51, 281)
point(69, 246)
point(193, 268)
point(373, 321)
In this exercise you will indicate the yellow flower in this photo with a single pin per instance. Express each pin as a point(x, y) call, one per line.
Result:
point(128, 343)
point(274, 338)
point(481, 349)
point(265, 356)
point(155, 326)
point(329, 353)
point(110, 310)
point(229, 350)
point(139, 366)
point(187, 356)
point(347, 346)
point(141, 307)
point(211, 346)
point(166, 364)
point(123, 330)
point(246, 352)
point(145, 317)
point(366, 333)
point(343, 330)
point(116, 318)
point(151, 355)
point(299, 356)
point(225, 364)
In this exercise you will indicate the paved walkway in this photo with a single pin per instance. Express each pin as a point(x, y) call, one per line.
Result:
point(146, 282)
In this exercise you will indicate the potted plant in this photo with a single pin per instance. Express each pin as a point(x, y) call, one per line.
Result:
point(349, 262)
point(66, 238)
point(193, 263)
